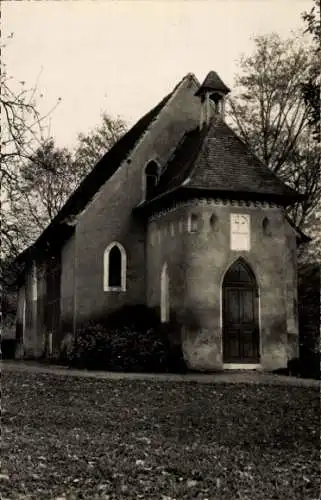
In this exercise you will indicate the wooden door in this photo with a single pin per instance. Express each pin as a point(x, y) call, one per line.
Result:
point(240, 315)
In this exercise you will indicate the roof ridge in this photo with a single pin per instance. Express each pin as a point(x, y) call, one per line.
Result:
point(176, 151)
point(170, 96)
point(204, 132)
point(67, 207)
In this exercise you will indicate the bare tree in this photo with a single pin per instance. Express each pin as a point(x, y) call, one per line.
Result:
point(270, 114)
point(22, 130)
point(36, 176)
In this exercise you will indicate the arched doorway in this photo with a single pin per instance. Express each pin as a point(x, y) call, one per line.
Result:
point(241, 341)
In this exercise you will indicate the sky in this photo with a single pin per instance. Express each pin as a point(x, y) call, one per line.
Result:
point(124, 56)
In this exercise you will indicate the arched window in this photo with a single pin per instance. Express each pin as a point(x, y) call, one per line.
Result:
point(164, 295)
point(193, 223)
point(151, 178)
point(266, 227)
point(213, 222)
point(115, 263)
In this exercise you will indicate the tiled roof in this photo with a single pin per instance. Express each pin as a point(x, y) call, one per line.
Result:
point(213, 82)
point(216, 159)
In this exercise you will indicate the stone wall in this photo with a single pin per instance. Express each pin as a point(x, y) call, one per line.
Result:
point(33, 333)
point(108, 217)
point(197, 262)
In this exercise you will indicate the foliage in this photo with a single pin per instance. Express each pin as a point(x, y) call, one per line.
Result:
point(309, 363)
point(48, 178)
point(8, 348)
point(91, 347)
point(313, 21)
point(44, 181)
point(93, 145)
point(79, 437)
point(37, 177)
point(42, 185)
point(271, 117)
point(306, 366)
point(135, 350)
point(311, 88)
point(131, 340)
point(311, 252)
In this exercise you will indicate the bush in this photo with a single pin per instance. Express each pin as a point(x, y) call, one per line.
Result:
point(90, 348)
point(136, 350)
point(131, 340)
point(307, 365)
point(8, 348)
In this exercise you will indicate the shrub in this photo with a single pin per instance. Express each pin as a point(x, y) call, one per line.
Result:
point(307, 365)
point(8, 348)
point(134, 350)
point(91, 347)
point(131, 340)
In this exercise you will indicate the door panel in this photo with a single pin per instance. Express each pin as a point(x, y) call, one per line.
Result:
point(240, 329)
point(233, 307)
point(240, 315)
point(246, 306)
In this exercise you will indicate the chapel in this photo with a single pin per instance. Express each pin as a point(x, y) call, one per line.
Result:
point(180, 216)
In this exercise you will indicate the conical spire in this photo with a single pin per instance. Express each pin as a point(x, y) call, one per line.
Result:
point(213, 84)
point(212, 89)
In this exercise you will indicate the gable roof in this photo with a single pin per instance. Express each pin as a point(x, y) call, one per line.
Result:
point(101, 172)
point(108, 165)
point(216, 159)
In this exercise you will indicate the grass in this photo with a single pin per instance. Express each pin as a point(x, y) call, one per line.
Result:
point(72, 438)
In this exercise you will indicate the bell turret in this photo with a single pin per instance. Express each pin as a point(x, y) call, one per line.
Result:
point(212, 89)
